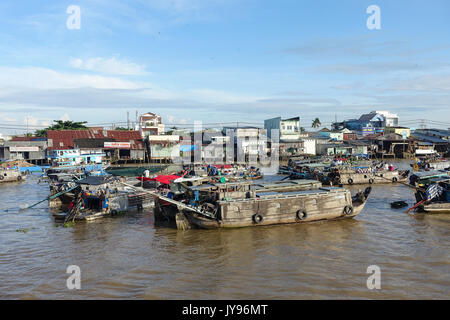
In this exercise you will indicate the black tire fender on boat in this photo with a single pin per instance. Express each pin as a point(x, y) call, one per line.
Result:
point(394, 179)
point(350, 181)
point(367, 191)
point(1, 178)
point(371, 181)
point(113, 212)
point(301, 215)
point(19, 178)
point(257, 218)
point(348, 210)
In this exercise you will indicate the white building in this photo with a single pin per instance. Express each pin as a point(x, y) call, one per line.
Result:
point(289, 128)
point(390, 119)
point(150, 124)
point(249, 141)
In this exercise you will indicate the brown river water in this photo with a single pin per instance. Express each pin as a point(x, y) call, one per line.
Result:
point(128, 257)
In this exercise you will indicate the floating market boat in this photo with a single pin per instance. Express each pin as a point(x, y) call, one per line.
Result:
point(101, 196)
point(434, 196)
point(305, 170)
point(362, 175)
point(245, 204)
point(432, 164)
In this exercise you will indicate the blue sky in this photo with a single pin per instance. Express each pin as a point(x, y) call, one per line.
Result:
point(222, 61)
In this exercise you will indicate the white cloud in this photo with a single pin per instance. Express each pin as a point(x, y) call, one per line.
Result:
point(430, 83)
point(108, 66)
point(32, 121)
point(65, 117)
point(6, 118)
point(43, 78)
point(209, 95)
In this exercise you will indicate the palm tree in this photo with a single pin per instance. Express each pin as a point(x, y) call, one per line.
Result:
point(316, 123)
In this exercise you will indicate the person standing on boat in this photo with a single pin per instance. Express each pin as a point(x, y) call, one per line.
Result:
point(147, 173)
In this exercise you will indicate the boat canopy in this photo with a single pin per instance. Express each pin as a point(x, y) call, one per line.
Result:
point(165, 179)
point(430, 174)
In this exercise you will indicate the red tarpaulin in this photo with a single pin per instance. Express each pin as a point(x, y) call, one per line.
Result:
point(161, 178)
point(165, 179)
point(222, 166)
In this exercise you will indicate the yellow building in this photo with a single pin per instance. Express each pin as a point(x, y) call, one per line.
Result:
point(403, 131)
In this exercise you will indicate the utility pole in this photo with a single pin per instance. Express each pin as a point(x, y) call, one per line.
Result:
point(422, 123)
point(128, 119)
point(27, 126)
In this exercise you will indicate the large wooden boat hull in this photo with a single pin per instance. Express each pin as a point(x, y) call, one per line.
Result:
point(299, 209)
point(165, 211)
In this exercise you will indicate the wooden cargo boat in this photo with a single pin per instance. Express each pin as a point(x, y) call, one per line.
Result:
point(283, 208)
point(180, 191)
point(237, 205)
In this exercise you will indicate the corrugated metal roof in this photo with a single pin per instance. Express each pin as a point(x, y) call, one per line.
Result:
point(28, 139)
point(370, 116)
point(424, 137)
point(64, 139)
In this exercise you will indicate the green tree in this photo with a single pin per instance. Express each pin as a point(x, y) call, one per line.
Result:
point(316, 123)
point(62, 125)
point(302, 130)
point(122, 129)
point(170, 132)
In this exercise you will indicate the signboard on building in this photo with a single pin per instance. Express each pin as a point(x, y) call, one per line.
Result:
point(367, 131)
point(404, 135)
point(117, 145)
point(24, 149)
point(425, 151)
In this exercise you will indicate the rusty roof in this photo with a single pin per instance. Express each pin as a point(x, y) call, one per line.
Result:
point(64, 139)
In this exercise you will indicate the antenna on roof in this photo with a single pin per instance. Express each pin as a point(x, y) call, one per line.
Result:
point(136, 120)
